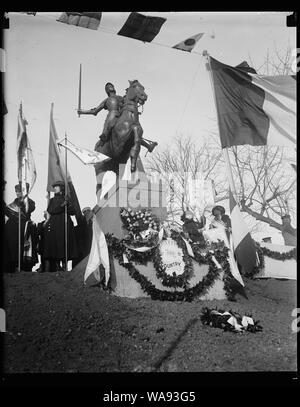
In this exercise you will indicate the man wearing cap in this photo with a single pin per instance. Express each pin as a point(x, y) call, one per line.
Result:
point(28, 234)
point(54, 237)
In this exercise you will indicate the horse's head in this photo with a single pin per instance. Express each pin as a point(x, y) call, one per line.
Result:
point(136, 92)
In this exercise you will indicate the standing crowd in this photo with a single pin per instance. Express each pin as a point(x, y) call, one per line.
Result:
point(47, 238)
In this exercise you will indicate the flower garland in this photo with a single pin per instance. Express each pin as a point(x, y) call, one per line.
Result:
point(229, 321)
point(264, 251)
point(181, 280)
point(117, 249)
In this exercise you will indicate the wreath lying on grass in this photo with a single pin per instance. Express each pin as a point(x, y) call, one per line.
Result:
point(264, 251)
point(229, 321)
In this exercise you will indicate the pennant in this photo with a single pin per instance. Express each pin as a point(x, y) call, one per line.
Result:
point(86, 156)
point(57, 168)
point(254, 109)
point(243, 245)
point(26, 165)
point(189, 43)
point(84, 19)
point(140, 27)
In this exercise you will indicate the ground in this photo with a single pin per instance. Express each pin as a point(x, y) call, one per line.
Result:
point(56, 324)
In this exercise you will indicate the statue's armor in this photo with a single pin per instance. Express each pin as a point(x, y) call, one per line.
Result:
point(113, 105)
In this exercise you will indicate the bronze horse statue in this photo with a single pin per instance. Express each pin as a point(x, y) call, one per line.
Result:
point(126, 134)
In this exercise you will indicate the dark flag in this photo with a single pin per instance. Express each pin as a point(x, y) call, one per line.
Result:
point(57, 169)
point(140, 27)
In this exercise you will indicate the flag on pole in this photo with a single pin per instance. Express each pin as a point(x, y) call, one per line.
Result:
point(84, 19)
point(2, 70)
point(243, 244)
point(86, 156)
point(26, 164)
point(189, 43)
point(254, 109)
point(57, 169)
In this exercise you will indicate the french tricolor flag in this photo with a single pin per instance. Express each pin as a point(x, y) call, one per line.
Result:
point(254, 109)
point(243, 243)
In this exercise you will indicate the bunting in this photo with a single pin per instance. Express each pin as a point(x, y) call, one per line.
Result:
point(189, 43)
point(84, 19)
point(140, 27)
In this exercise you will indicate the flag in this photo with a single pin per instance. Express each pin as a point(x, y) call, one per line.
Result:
point(243, 244)
point(2, 70)
point(189, 43)
point(140, 27)
point(84, 19)
point(26, 164)
point(57, 169)
point(254, 109)
point(85, 156)
point(98, 254)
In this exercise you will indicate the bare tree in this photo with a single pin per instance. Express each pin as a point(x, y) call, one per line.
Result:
point(265, 182)
point(278, 62)
point(178, 164)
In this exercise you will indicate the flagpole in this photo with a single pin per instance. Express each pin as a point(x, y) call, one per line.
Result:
point(224, 150)
point(19, 240)
point(66, 208)
point(79, 91)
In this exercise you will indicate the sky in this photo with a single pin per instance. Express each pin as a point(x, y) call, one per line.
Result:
point(42, 59)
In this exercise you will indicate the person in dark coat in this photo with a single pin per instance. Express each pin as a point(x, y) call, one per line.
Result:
point(28, 234)
point(54, 237)
point(193, 229)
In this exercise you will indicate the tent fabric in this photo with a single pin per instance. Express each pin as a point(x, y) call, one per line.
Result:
point(140, 27)
point(125, 286)
point(277, 268)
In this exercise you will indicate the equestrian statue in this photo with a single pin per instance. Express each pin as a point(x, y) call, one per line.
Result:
point(121, 137)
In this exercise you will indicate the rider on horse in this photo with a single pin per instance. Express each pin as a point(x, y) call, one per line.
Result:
point(113, 103)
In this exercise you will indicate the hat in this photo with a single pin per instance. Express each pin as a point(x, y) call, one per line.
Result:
point(87, 208)
point(58, 183)
point(218, 207)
